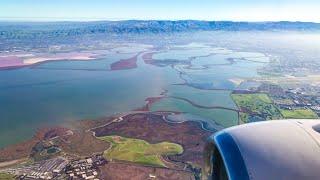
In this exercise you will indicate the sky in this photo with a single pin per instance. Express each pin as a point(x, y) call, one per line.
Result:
point(234, 10)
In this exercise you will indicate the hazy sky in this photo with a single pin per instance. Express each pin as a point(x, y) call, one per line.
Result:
point(236, 10)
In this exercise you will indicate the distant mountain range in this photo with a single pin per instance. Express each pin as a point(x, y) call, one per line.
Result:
point(135, 26)
point(41, 34)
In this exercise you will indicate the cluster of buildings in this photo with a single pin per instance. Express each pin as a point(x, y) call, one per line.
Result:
point(48, 169)
point(85, 168)
point(60, 168)
point(294, 98)
point(303, 99)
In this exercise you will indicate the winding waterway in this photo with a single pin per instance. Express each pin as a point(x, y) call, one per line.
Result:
point(58, 92)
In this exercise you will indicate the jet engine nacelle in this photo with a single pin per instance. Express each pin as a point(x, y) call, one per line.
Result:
point(270, 150)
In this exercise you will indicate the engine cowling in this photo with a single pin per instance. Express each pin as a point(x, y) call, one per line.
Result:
point(279, 149)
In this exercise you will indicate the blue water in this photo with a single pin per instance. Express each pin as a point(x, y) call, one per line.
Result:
point(57, 92)
point(30, 98)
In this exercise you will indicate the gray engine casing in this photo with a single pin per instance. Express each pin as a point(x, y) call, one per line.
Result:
point(278, 149)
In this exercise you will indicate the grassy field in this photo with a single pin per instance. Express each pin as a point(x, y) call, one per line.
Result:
point(139, 151)
point(244, 118)
point(6, 176)
point(256, 104)
point(299, 114)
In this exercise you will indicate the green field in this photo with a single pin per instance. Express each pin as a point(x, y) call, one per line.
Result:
point(139, 151)
point(243, 118)
point(299, 114)
point(256, 104)
point(6, 176)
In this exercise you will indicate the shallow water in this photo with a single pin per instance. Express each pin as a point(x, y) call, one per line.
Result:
point(30, 98)
point(57, 92)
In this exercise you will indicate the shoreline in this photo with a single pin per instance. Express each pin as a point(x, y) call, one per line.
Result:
point(87, 126)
